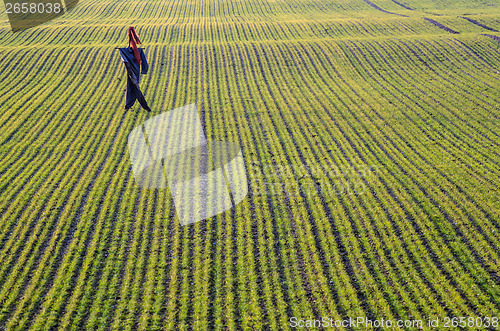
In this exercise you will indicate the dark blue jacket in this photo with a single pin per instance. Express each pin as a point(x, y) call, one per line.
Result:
point(134, 76)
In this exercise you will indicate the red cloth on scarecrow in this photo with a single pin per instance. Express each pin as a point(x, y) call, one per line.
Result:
point(133, 40)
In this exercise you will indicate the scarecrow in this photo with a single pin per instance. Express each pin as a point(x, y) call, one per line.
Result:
point(136, 64)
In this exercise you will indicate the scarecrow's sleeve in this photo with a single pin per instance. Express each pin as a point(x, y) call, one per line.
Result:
point(144, 63)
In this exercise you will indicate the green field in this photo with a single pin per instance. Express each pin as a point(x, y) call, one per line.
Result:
point(371, 142)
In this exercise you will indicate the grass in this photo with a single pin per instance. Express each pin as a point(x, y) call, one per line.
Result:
point(371, 148)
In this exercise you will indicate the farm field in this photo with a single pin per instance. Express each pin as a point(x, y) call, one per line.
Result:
point(370, 132)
